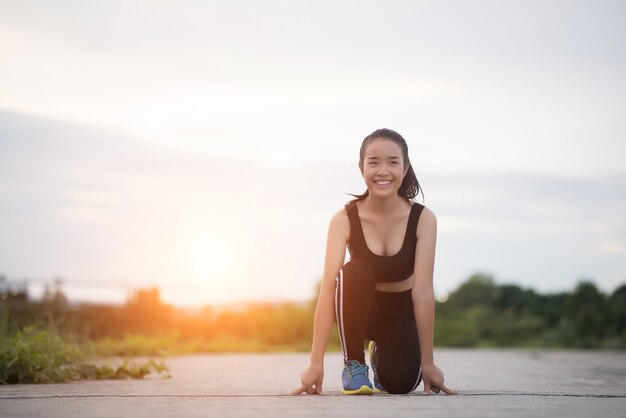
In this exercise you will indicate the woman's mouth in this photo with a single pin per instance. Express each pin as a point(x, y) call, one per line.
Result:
point(383, 183)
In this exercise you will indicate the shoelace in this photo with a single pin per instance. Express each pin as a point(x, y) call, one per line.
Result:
point(356, 369)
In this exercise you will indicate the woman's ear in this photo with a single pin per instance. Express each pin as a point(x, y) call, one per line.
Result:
point(406, 170)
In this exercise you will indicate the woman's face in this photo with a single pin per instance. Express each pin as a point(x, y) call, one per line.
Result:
point(383, 167)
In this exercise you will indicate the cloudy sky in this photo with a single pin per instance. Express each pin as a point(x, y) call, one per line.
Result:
point(202, 147)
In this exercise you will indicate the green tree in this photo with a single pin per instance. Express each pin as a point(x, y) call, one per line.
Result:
point(479, 289)
point(616, 309)
point(586, 309)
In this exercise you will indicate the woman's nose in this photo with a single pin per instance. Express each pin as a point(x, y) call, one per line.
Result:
point(383, 170)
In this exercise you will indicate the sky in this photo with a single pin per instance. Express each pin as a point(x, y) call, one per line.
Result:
point(202, 147)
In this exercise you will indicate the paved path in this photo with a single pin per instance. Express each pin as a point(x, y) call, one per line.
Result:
point(494, 383)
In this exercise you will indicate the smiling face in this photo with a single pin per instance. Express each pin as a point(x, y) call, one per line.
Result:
point(383, 167)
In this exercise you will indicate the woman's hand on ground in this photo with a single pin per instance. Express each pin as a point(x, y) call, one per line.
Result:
point(311, 379)
point(433, 380)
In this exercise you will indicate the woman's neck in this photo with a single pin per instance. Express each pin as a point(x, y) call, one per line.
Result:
point(387, 205)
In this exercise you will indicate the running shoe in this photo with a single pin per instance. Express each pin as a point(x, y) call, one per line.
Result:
point(373, 354)
point(354, 379)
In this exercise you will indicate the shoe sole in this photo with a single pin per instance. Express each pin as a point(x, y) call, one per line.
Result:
point(363, 390)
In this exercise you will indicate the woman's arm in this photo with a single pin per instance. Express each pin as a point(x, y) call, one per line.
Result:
point(422, 293)
point(424, 301)
point(338, 234)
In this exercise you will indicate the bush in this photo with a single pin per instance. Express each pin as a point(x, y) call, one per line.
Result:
point(34, 355)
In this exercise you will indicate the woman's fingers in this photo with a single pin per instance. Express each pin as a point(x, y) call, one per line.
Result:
point(426, 387)
point(449, 391)
point(308, 389)
point(318, 388)
point(298, 391)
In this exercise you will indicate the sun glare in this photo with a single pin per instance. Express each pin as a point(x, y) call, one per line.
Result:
point(205, 261)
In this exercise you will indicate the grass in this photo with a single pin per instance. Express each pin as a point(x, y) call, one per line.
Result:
point(35, 355)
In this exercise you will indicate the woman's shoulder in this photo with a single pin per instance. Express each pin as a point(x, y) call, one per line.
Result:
point(427, 212)
point(427, 222)
point(340, 224)
point(341, 217)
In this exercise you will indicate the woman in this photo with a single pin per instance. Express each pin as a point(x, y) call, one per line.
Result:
point(385, 292)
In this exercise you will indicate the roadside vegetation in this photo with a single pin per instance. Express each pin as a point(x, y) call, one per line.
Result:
point(51, 341)
point(35, 355)
point(482, 314)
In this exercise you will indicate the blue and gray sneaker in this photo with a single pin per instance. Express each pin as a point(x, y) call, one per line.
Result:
point(372, 350)
point(354, 379)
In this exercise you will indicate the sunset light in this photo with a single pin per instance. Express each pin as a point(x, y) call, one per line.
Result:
point(208, 159)
point(205, 261)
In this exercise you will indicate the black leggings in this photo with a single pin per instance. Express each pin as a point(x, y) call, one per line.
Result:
point(384, 317)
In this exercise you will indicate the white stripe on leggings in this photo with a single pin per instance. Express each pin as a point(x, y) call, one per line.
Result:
point(417, 382)
point(339, 314)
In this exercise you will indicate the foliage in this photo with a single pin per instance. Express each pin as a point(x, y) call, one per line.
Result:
point(35, 355)
point(480, 313)
point(129, 369)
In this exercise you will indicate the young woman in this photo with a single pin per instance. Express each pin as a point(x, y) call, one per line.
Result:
point(385, 292)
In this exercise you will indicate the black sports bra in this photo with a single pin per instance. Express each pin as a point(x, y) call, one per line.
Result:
point(392, 268)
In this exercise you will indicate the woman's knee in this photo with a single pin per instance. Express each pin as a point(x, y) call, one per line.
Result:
point(400, 381)
point(398, 365)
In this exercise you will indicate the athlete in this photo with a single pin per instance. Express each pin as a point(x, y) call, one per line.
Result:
point(384, 294)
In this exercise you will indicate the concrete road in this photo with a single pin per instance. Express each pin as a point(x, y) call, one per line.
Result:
point(494, 383)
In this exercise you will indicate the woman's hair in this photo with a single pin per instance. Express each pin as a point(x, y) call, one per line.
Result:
point(410, 187)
